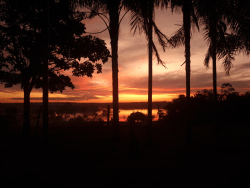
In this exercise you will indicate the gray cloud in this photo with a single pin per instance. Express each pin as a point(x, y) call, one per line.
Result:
point(10, 90)
point(174, 82)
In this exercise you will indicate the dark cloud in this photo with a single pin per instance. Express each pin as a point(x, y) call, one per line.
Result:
point(174, 82)
point(5, 91)
point(90, 92)
point(240, 68)
point(10, 90)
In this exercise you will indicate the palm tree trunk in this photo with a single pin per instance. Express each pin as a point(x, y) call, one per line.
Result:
point(213, 39)
point(45, 71)
point(187, 27)
point(26, 110)
point(132, 140)
point(150, 73)
point(114, 32)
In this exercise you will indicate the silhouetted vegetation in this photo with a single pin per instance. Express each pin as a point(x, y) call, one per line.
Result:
point(232, 108)
point(111, 9)
point(136, 116)
point(143, 20)
point(21, 49)
point(41, 40)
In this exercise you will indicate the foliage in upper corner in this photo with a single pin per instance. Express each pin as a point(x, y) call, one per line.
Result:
point(21, 50)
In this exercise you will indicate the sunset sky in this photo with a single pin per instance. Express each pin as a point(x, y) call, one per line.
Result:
point(133, 69)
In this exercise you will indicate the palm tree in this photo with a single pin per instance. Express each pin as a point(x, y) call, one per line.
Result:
point(114, 11)
point(142, 18)
point(239, 23)
point(150, 7)
point(224, 45)
point(183, 36)
point(112, 8)
point(187, 25)
point(214, 15)
point(210, 16)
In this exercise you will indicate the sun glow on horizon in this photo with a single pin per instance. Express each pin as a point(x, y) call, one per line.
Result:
point(17, 97)
point(144, 98)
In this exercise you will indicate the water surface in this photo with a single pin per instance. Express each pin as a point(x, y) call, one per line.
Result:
point(102, 113)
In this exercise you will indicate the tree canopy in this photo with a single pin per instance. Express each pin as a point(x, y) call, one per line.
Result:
point(232, 107)
point(23, 56)
point(21, 50)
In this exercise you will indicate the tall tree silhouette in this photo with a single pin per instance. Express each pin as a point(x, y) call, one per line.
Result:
point(239, 20)
point(142, 19)
point(21, 57)
point(109, 11)
point(213, 35)
point(150, 69)
point(187, 25)
point(214, 16)
point(232, 30)
point(183, 36)
point(45, 34)
point(113, 10)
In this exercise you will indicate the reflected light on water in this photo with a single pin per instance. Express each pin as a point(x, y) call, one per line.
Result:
point(123, 114)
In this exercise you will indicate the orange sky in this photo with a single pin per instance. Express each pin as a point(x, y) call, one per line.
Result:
point(133, 69)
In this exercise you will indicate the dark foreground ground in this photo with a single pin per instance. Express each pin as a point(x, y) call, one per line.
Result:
point(86, 156)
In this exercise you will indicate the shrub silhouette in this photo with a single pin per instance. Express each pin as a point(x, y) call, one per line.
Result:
point(137, 116)
point(232, 109)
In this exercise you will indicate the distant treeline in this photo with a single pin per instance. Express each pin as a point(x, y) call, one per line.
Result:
point(135, 105)
point(72, 108)
point(233, 108)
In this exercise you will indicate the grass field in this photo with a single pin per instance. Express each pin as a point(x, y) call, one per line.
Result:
point(85, 155)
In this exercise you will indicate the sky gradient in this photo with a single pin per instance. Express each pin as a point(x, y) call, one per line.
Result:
point(168, 82)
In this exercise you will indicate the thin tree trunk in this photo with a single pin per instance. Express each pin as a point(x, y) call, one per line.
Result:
point(108, 110)
point(114, 32)
point(40, 110)
point(150, 73)
point(187, 27)
point(26, 124)
point(133, 150)
point(213, 39)
point(45, 71)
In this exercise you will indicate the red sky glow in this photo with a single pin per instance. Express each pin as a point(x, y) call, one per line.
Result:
point(168, 82)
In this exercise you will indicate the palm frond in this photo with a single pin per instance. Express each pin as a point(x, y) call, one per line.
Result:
point(228, 50)
point(163, 39)
point(194, 19)
point(207, 34)
point(163, 4)
point(155, 52)
point(227, 63)
point(221, 33)
point(208, 55)
point(136, 23)
point(178, 38)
